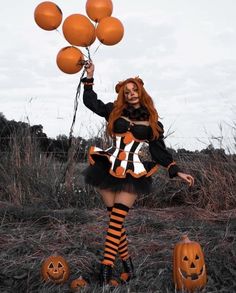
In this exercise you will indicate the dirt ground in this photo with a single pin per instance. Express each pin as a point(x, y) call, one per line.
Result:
point(28, 236)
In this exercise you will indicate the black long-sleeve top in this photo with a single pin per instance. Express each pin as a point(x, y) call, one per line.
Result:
point(157, 147)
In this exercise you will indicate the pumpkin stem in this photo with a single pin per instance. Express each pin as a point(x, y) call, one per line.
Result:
point(185, 238)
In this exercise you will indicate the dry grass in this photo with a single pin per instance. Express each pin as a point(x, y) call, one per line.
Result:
point(151, 233)
point(28, 177)
point(40, 214)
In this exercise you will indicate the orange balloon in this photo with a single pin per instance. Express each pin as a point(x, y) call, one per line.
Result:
point(48, 16)
point(110, 31)
point(70, 60)
point(78, 30)
point(97, 9)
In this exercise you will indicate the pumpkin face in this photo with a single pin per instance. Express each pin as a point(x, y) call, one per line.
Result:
point(55, 269)
point(189, 269)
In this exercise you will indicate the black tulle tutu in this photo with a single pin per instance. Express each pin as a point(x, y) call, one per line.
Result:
point(98, 176)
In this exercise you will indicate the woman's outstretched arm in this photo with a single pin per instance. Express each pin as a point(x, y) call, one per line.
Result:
point(163, 157)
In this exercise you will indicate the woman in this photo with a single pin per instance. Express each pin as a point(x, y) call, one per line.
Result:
point(119, 173)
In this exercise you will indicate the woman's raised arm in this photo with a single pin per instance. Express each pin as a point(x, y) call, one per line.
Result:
point(90, 97)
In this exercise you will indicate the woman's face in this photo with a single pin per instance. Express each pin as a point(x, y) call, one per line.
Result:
point(131, 94)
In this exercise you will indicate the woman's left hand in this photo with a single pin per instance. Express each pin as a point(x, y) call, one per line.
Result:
point(186, 177)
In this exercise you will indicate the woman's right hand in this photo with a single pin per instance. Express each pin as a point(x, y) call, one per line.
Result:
point(89, 67)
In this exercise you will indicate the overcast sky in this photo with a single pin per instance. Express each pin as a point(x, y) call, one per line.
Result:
point(184, 50)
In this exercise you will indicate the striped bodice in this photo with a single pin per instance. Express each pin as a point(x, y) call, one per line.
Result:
point(123, 156)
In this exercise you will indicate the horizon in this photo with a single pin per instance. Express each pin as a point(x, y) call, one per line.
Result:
point(228, 151)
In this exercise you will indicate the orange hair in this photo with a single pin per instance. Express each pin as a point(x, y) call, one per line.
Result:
point(145, 100)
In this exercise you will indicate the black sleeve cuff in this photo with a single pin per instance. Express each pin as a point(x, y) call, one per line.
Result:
point(173, 170)
point(88, 83)
point(85, 79)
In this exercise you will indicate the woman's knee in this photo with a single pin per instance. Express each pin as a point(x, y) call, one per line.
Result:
point(125, 198)
point(108, 196)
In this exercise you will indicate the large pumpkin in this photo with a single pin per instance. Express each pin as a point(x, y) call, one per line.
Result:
point(55, 269)
point(189, 269)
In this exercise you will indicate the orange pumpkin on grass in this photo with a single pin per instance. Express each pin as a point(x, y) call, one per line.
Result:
point(78, 283)
point(189, 269)
point(55, 269)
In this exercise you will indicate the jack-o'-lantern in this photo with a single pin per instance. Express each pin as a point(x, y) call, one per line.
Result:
point(55, 269)
point(189, 269)
point(78, 283)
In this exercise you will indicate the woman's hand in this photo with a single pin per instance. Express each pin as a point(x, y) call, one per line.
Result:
point(89, 67)
point(187, 178)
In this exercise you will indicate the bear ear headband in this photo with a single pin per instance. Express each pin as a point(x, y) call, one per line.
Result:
point(136, 80)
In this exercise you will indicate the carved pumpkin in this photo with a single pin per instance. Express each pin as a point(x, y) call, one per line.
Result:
point(78, 283)
point(189, 270)
point(55, 269)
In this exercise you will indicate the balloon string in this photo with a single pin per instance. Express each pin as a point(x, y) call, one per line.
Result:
point(84, 55)
point(95, 27)
point(89, 56)
point(66, 166)
point(70, 44)
point(59, 33)
point(97, 48)
point(78, 91)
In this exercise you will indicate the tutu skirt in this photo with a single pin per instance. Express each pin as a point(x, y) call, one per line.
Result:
point(98, 176)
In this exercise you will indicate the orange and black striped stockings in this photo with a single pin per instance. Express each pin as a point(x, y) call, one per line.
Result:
point(116, 240)
point(123, 245)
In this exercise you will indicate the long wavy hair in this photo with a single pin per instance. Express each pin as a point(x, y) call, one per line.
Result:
point(145, 100)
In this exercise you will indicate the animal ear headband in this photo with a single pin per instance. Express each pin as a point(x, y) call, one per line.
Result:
point(138, 81)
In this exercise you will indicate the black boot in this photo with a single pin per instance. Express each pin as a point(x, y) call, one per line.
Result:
point(128, 270)
point(105, 274)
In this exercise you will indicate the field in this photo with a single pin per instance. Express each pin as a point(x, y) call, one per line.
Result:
point(41, 215)
point(28, 237)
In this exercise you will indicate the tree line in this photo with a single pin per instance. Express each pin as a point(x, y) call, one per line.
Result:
point(23, 133)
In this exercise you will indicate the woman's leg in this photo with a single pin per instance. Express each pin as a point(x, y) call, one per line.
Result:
point(125, 198)
point(109, 199)
point(118, 205)
point(128, 268)
point(123, 201)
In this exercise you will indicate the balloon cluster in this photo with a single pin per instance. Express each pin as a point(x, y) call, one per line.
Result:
point(79, 30)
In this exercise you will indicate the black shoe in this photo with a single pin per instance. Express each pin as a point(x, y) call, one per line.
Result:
point(105, 274)
point(128, 272)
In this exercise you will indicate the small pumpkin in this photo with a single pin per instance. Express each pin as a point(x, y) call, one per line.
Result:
point(125, 277)
point(113, 283)
point(55, 269)
point(78, 283)
point(189, 269)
